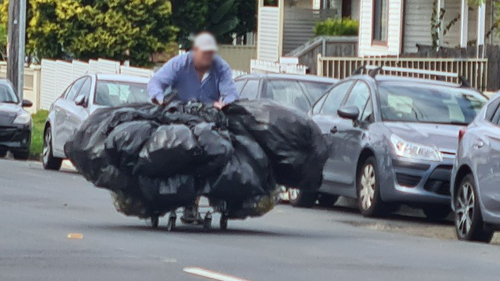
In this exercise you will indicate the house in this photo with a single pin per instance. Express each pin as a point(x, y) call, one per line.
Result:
point(288, 24)
point(395, 27)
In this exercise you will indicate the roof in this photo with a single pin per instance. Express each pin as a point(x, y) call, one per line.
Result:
point(122, 78)
point(311, 78)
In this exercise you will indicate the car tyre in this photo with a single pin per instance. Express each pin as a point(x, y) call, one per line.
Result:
point(3, 153)
point(327, 200)
point(436, 213)
point(368, 189)
point(21, 155)
point(469, 224)
point(49, 161)
point(302, 199)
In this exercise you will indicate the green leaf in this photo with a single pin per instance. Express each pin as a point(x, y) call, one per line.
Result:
point(222, 11)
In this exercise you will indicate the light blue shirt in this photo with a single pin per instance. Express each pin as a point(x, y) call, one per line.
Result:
point(179, 74)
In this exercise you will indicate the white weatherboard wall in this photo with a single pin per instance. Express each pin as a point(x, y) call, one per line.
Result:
point(366, 48)
point(269, 34)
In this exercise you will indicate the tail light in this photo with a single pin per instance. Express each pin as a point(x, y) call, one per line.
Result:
point(461, 134)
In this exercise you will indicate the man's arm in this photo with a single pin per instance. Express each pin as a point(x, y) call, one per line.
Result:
point(162, 79)
point(227, 87)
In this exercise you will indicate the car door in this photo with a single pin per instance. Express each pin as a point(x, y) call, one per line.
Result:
point(79, 112)
point(65, 106)
point(326, 117)
point(486, 153)
point(349, 134)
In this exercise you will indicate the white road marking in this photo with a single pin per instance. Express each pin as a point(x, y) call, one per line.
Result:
point(211, 274)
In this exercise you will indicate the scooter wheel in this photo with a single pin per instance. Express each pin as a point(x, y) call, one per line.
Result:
point(155, 220)
point(171, 224)
point(207, 224)
point(223, 222)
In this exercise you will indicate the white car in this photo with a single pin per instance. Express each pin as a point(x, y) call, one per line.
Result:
point(84, 96)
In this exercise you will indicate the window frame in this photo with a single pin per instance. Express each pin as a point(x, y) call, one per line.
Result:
point(257, 94)
point(369, 100)
point(70, 87)
point(348, 93)
point(376, 42)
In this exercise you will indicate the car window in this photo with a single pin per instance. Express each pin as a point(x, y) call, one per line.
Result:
point(114, 93)
point(240, 84)
point(315, 90)
point(75, 89)
point(367, 115)
point(335, 98)
point(250, 90)
point(492, 109)
point(359, 96)
point(319, 104)
point(288, 92)
point(428, 103)
point(85, 90)
point(7, 94)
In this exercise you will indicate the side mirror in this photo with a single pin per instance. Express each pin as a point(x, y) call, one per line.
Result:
point(349, 112)
point(80, 100)
point(26, 103)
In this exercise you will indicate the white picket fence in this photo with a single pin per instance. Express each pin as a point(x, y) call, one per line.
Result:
point(261, 66)
point(57, 75)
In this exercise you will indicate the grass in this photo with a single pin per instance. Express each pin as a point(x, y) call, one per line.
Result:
point(37, 134)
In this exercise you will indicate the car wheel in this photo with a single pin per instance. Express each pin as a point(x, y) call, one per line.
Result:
point(21, 155)
point(49, 161)
point(327, 200)
point(302, 199)
point(436, 213)
point(3, 153)
point(469, 223)
point(369, 201)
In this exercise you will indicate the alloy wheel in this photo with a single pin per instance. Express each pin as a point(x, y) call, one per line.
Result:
point(367, 192)
point(465, 209)
point(46, 146)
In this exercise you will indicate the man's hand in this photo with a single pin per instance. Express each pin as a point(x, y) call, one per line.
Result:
point(219, 105)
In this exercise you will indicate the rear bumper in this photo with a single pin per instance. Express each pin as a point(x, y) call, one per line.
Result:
point(15, 137)
point(418, 182)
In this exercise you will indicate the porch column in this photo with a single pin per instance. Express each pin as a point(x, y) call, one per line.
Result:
point(481, 23)
point(464, 24)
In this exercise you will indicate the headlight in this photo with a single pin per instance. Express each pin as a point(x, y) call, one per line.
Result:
point(23, 119)
point(413, 150)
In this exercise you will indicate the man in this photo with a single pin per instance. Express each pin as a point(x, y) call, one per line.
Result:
point(199, 75)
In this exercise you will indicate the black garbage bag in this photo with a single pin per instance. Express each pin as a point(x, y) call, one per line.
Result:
point(216, 146)
point(292, 141)
point(246, 174)
point(171, 150)
point(126, 141)
point(167, 194)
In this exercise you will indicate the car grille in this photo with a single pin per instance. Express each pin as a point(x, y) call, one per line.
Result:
point(407, 180)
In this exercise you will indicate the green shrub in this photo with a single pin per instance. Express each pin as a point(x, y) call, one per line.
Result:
point(337, 27)
point(37, 134)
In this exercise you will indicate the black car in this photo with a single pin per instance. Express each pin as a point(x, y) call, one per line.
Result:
point(15, 123)
point(300, 91)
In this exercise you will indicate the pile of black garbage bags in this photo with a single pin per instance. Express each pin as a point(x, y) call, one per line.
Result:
point(158, 158)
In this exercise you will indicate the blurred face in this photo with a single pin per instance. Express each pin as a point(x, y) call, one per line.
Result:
point(203, 59)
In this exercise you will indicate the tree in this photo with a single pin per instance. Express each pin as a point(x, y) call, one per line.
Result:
point(84, 29)
point(221, 17)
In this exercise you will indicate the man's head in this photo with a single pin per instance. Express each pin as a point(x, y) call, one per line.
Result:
point(204, 50)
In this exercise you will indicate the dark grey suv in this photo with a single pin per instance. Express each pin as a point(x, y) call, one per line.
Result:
point(392, 141)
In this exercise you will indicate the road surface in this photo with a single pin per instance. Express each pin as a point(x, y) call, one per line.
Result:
point(38, 209)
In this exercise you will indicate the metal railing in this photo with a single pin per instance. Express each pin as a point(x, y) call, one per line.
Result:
point(474, 70)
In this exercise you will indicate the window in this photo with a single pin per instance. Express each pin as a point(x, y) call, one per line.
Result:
point(319, 104)
point(7, 94)
point(315, 90)
point(335, 98)
point(491, 109)
point(359, 96)
point(115, 93)
point(86, 89)
point(287, 92)
point(239, 85)
point(367, 115)
point(250, 90)
point(75, 89)
point(380, 21)
point(428, 103)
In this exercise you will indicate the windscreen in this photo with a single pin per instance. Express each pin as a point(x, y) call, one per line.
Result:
point(428, 103)
point(7, 94)
point(113, 93)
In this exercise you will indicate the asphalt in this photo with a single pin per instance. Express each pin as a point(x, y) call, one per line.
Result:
point(38, 209)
